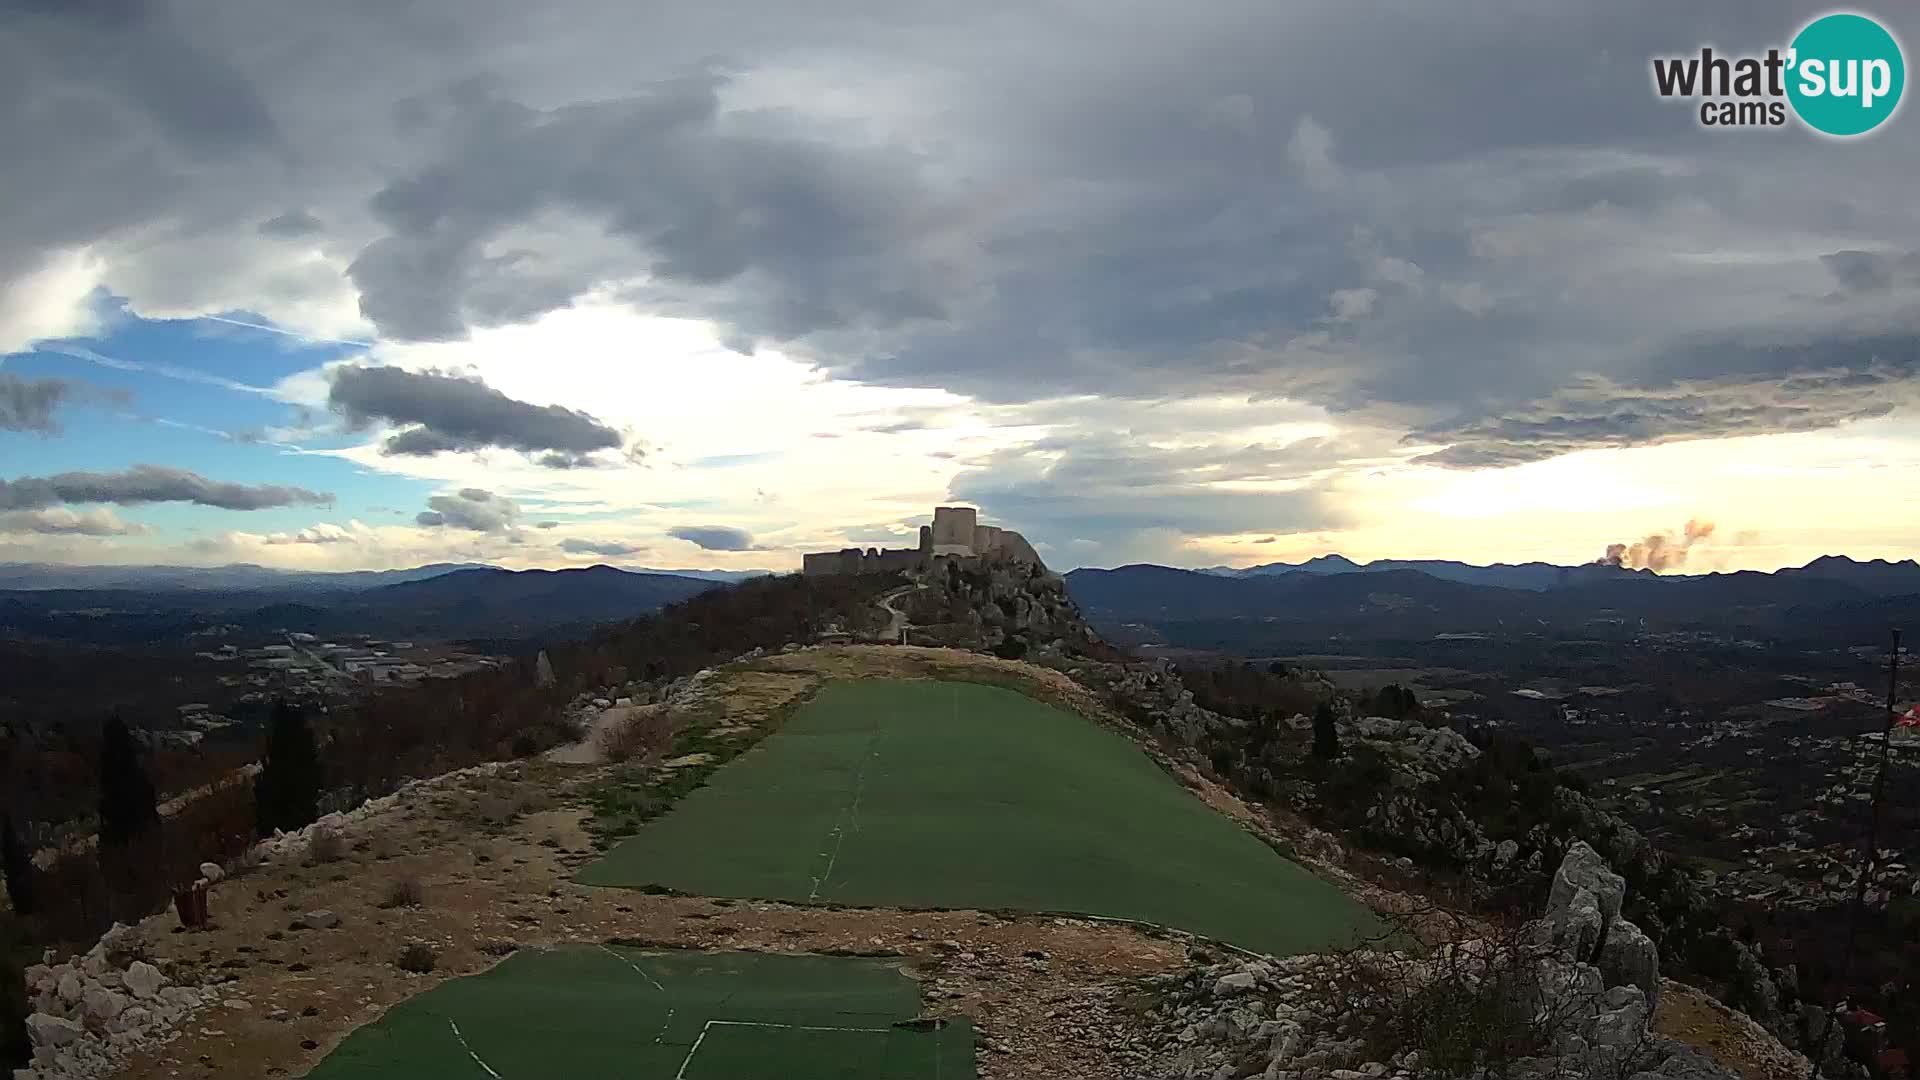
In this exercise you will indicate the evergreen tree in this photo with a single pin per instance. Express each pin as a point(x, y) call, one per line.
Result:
point(18, 863)
point(127, 799)
point(1326, 736)
point(286, 794)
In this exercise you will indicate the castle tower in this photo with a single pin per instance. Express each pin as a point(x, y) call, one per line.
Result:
point(953, 529)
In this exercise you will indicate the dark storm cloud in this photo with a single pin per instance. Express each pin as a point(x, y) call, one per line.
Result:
point(609, 548)
point(1874, 271)
point(1772, 388)
point(148, 484)
point(1494, 236)
point(454, 412)
point(29, 404)
point(292, 224)
point(714, 537)
point(810, 228)
point(473, 509)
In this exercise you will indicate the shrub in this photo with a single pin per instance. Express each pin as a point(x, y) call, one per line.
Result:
point(501, 947)
point(417, 957)
point(644, 733)
point(406, 892)
point(1326, 735)
point(325, 846)
point(18, 865)
point(1473, 1004)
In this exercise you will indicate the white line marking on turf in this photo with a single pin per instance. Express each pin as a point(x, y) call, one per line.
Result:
point(469, 1049)
point(851, 810)
point(642, 972)
point(711, 1024)
point(638, 970)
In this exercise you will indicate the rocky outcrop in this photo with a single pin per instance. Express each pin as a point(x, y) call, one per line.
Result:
point(93, 1010)
point(1395, 1015)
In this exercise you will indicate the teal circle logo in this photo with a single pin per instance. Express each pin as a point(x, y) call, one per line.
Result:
point(1846, 74)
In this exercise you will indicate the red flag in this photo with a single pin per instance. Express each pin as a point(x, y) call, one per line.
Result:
point(1910, 718)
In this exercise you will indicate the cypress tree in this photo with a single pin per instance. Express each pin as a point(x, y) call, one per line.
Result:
point(128, 804)
point(286, 794)
point(1326, 736)
point(18, 863)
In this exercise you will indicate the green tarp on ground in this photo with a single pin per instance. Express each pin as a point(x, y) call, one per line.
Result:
point(585, 1012)
point(958, 795)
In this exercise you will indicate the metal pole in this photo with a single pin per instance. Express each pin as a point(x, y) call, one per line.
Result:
point(1870, 853)
point(1870, 857)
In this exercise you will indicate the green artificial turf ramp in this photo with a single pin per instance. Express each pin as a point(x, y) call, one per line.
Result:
point(587, 1011)
point(959, 795)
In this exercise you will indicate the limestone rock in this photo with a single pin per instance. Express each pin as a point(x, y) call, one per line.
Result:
point(1577, 925)
point(41, 978)
point(102, 1004)
point(1583, 868)
point(321, 919)
point(71, 986)
point(51, 1031)
point(143, 980)
point(1238, 982)
point(1629, 957)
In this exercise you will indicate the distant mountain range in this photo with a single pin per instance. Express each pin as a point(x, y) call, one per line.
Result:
point(248, 577)
point(1331, 596)
point(433, 603)
point(1878, 577)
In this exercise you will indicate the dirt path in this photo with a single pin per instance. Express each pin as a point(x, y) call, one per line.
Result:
point(587, 750)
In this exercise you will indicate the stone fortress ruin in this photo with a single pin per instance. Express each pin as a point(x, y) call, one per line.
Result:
point(956, 533)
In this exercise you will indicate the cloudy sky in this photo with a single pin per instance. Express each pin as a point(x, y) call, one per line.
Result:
point(371, 284)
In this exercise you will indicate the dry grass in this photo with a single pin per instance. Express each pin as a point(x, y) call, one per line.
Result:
point(406, 892)
point(641, 736)
point(326, 846)
point(418, 958)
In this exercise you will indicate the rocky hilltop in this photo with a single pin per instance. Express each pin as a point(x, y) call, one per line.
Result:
point(1571, 994)
point(1408, 797)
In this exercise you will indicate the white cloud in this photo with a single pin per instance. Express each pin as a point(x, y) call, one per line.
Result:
point(53, 301)
point(62, 521)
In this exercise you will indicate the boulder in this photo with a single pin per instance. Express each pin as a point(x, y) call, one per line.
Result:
point(51, 1031)
point(1445, 747)
point(143, 980)
point(70, 986)
point(1505, 853)
point(212, 872)
point(1575, 926)
point(102, 1004)
point(1630, 958)
point(321, 919)
point(1238, 982)
point(121, 939)
point(1583, 868)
